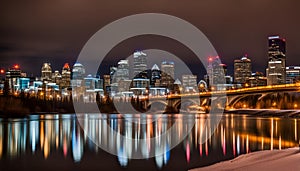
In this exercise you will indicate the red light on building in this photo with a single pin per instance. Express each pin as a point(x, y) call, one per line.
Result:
point(16, 66)
point(210, 59)
point(66, 66)
point(2, 71)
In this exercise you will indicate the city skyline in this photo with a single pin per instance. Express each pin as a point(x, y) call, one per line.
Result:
point(149, 85)
point(43, 39)
point(236, 64)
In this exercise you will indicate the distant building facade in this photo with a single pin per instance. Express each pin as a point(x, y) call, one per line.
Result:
point(189, 83)
point(139, 64)
point(242, 70)
point(292, 74)
point(167, 74)
point(276, 71)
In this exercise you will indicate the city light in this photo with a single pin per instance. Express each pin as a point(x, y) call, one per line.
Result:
point(16, 66)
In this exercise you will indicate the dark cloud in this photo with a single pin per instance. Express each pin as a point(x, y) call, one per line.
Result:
point(33, 31)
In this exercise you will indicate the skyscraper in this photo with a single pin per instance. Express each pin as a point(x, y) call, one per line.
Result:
point(167, 74)
point(12, 76)
point(276, 71)
point(56, 77)
point(216, 71)
point(46, 72)
point(78, 73)
point(122, 72)
point(139, 64)
point(189, 83)
point(155, 76)
point(66, 76)
point(242, 70)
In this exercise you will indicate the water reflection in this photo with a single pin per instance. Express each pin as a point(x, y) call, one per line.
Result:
point(236, 134)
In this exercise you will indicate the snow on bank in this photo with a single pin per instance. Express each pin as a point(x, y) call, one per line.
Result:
point(276, 160)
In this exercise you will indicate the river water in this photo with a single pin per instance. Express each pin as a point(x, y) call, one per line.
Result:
point(70, 141)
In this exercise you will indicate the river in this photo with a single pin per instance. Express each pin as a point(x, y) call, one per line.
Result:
point(71, 142)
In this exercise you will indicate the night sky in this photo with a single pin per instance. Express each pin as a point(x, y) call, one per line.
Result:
point(33, 32)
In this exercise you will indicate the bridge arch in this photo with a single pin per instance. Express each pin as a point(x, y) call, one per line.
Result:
point(185, 101)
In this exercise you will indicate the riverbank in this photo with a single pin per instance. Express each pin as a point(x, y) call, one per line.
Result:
point(276, 160)
point(292, 113)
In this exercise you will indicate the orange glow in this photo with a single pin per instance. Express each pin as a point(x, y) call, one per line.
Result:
point(66, 66)
point(2, 71)
point(16, 66)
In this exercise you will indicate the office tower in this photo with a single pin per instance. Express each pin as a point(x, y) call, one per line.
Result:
point(189, 83)
point(292, 74)
point(46, 72)
point(92, 83)
point(276, 71)
point(12, 76)
point(78, 73)
point(242, 70)
point(106, 81)
point(140, 86)
point(177, 86)
point(112, 73)
point(122, 71)
point(167, 74)
point(24, 83)
point(155, 76)
point(216, 72)
point(65, 76)
point(56, 77)
point(139, 64)
point(257, 79)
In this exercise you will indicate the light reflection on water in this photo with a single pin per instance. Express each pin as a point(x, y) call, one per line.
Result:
point(236, 134)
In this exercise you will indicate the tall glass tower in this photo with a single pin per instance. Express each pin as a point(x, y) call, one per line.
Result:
point(242, 70)
point(167, 74)
point(276, 71)
point(139, 64)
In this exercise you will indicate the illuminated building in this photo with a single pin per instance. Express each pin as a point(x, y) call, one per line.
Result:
point(167, 74)
point(124, 85)
point(242, 70)
point(139, 64)
point(140, 86)
point(46, 72)
point(13, 75)
point(292, 74)
point(216, 72)
point(65, 76)
point(155, 76)
point(177, 86)
point(93, 83)
point(56, 77)
point(257, 79)
point(122, 71)
point(106, 82)
point(78, 73)
point(112, 73)
point(276, 71)
point(189, 83)
point(78, 88)
point(24, 83)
